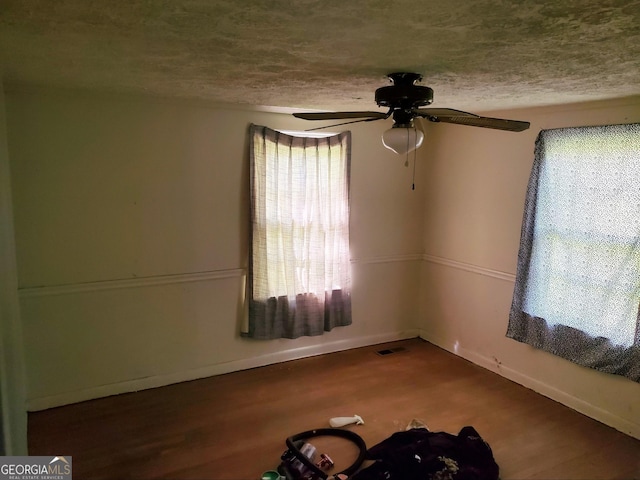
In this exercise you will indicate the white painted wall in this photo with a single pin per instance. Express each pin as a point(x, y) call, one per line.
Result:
point(475, 183)
point(131, 219)
point(131, 224)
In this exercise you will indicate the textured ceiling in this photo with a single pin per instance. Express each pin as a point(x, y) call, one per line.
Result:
point(327, 54)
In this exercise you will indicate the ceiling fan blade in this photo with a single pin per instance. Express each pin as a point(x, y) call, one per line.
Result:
point(442, 112)
point(458, 117)
point(345, 123)
point(488, 122)
point(340, 115)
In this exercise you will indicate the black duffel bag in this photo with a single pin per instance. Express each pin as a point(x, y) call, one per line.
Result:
point(423, 455)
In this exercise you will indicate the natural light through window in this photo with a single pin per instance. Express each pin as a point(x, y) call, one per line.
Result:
point(585, 260)
point(299, 280)
point(305, 222)
point(318, 217)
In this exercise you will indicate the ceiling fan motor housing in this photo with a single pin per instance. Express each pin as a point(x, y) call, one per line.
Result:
point(409, 96)
point(404, 94)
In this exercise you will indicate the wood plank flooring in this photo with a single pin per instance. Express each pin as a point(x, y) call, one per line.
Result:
point(233, 427)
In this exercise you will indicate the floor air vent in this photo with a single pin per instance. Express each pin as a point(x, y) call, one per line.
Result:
point(389, 351)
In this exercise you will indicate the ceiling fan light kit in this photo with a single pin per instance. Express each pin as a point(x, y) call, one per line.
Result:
point(403, 100)
point(402, 140)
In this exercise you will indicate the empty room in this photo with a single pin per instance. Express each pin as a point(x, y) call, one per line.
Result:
point(319, 239)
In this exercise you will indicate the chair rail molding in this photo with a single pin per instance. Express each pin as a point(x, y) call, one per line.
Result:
point(468, 267)
point(84, 287)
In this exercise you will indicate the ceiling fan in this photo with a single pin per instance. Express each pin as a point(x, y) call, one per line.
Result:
point(403, 100)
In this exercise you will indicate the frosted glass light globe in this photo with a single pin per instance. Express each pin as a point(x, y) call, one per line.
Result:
point(402, 140)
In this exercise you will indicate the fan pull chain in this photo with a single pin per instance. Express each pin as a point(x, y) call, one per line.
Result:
point(413, 185)
point(406, 163)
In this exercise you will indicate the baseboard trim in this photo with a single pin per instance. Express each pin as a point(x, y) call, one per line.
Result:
point(155, 381)
point(575, 403)
point(468, 267)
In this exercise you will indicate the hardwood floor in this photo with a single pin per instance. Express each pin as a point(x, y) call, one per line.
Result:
point(233, 427)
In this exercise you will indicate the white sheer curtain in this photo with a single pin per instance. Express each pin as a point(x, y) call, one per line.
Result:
point(577, 289)
point(299, 271)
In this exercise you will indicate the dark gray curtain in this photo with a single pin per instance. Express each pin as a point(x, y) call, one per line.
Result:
point(299, 281)
point(577, 291)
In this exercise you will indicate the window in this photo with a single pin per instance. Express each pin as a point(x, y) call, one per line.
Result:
point(299, 271)
point(577, 290)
